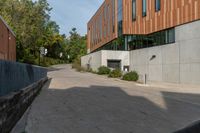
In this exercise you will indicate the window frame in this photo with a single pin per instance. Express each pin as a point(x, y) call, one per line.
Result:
point(157, 5)
point(134, 10)
point(144, 8)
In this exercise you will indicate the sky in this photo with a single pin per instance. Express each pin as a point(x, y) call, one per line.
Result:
point(73, 13)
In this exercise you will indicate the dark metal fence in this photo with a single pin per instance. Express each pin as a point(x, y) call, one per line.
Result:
point(15, 76)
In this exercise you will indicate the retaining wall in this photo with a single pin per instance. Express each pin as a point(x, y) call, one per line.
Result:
point(13, 106)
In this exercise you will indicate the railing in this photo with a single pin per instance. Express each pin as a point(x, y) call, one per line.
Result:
point(15, 76)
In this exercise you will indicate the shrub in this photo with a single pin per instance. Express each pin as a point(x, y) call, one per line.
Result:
point(80, 69)
point(77, 65)
point(103, 70)
point(47, 61)
point(131, 76)
point(115, 73)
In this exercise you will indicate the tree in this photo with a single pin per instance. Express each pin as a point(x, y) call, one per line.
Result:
point(34, 29)
point(77, 45)
point(32, 25)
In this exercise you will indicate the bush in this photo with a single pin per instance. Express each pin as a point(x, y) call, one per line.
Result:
point(131, 76)
point(77, 65)
point(103, 70)
point(115, 73)
point(47, 61)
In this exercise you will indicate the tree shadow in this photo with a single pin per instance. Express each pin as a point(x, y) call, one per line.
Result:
point(108, 109)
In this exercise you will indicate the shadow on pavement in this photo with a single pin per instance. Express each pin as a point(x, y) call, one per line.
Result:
point(103, 109)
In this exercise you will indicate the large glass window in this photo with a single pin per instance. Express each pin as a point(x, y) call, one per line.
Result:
point(144, 8)
point(119, 14)
point(157, 5)
point(133, 10)
point(105, 14)
point(171, 36)
point(108, 20)
point(113, 16)
point(141, 41)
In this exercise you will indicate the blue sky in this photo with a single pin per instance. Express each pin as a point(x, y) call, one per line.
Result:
point(73, 13)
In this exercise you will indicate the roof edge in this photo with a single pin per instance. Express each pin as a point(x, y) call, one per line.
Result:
point(1, 18)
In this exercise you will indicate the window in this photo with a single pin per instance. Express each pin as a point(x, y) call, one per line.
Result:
point(105, 14)
point(157, 5)
point(171, 36)
point(120, 19)
point(144, 8)
point(113, 16)
point(141, 41)
point(116, 64)
point(108, 20)
point(133, 10)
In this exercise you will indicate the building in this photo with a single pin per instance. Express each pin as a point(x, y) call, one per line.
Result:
point(160, 39)
point(7, 42)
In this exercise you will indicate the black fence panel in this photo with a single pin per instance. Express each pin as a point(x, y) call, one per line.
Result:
point(15, 76)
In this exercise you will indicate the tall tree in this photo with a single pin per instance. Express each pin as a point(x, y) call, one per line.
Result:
point(32, 25)
point(76, 46)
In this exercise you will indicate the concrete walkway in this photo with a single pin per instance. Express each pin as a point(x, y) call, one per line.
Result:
point(74, 102)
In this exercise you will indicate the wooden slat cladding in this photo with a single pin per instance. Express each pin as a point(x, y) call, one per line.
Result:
point(172, 13)
point(100, 27)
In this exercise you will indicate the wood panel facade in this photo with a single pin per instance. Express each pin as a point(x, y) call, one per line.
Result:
point(7, 42)
point(102, 28)
point(172, 13)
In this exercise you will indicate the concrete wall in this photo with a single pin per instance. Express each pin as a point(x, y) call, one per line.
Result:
point(13, 106)
point(174, 63)
point(100, 58)
point(115, 55)
point(188, 37)
point(93, 59)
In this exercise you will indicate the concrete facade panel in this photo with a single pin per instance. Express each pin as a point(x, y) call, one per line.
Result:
point(175, 63)
point(93, 59)
point(116, 55)
point(170, 54)
point(155, 73)
point(188, 31)
point(189, 73)
point(154, 52)
point(190, 51)
point(139, 57)
point(171, 73)
point(100, 58)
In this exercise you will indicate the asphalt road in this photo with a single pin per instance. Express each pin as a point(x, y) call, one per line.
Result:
point(73, 102)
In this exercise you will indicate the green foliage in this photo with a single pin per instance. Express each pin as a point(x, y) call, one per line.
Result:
point(131, 76)
point(115, 73)
point(46, 61)
point(103, 70)
point(90, 70)
point(77, 65)
point(76, 45)
point(30, 21)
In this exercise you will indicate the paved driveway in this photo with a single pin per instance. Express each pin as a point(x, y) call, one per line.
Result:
point(74, 102)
